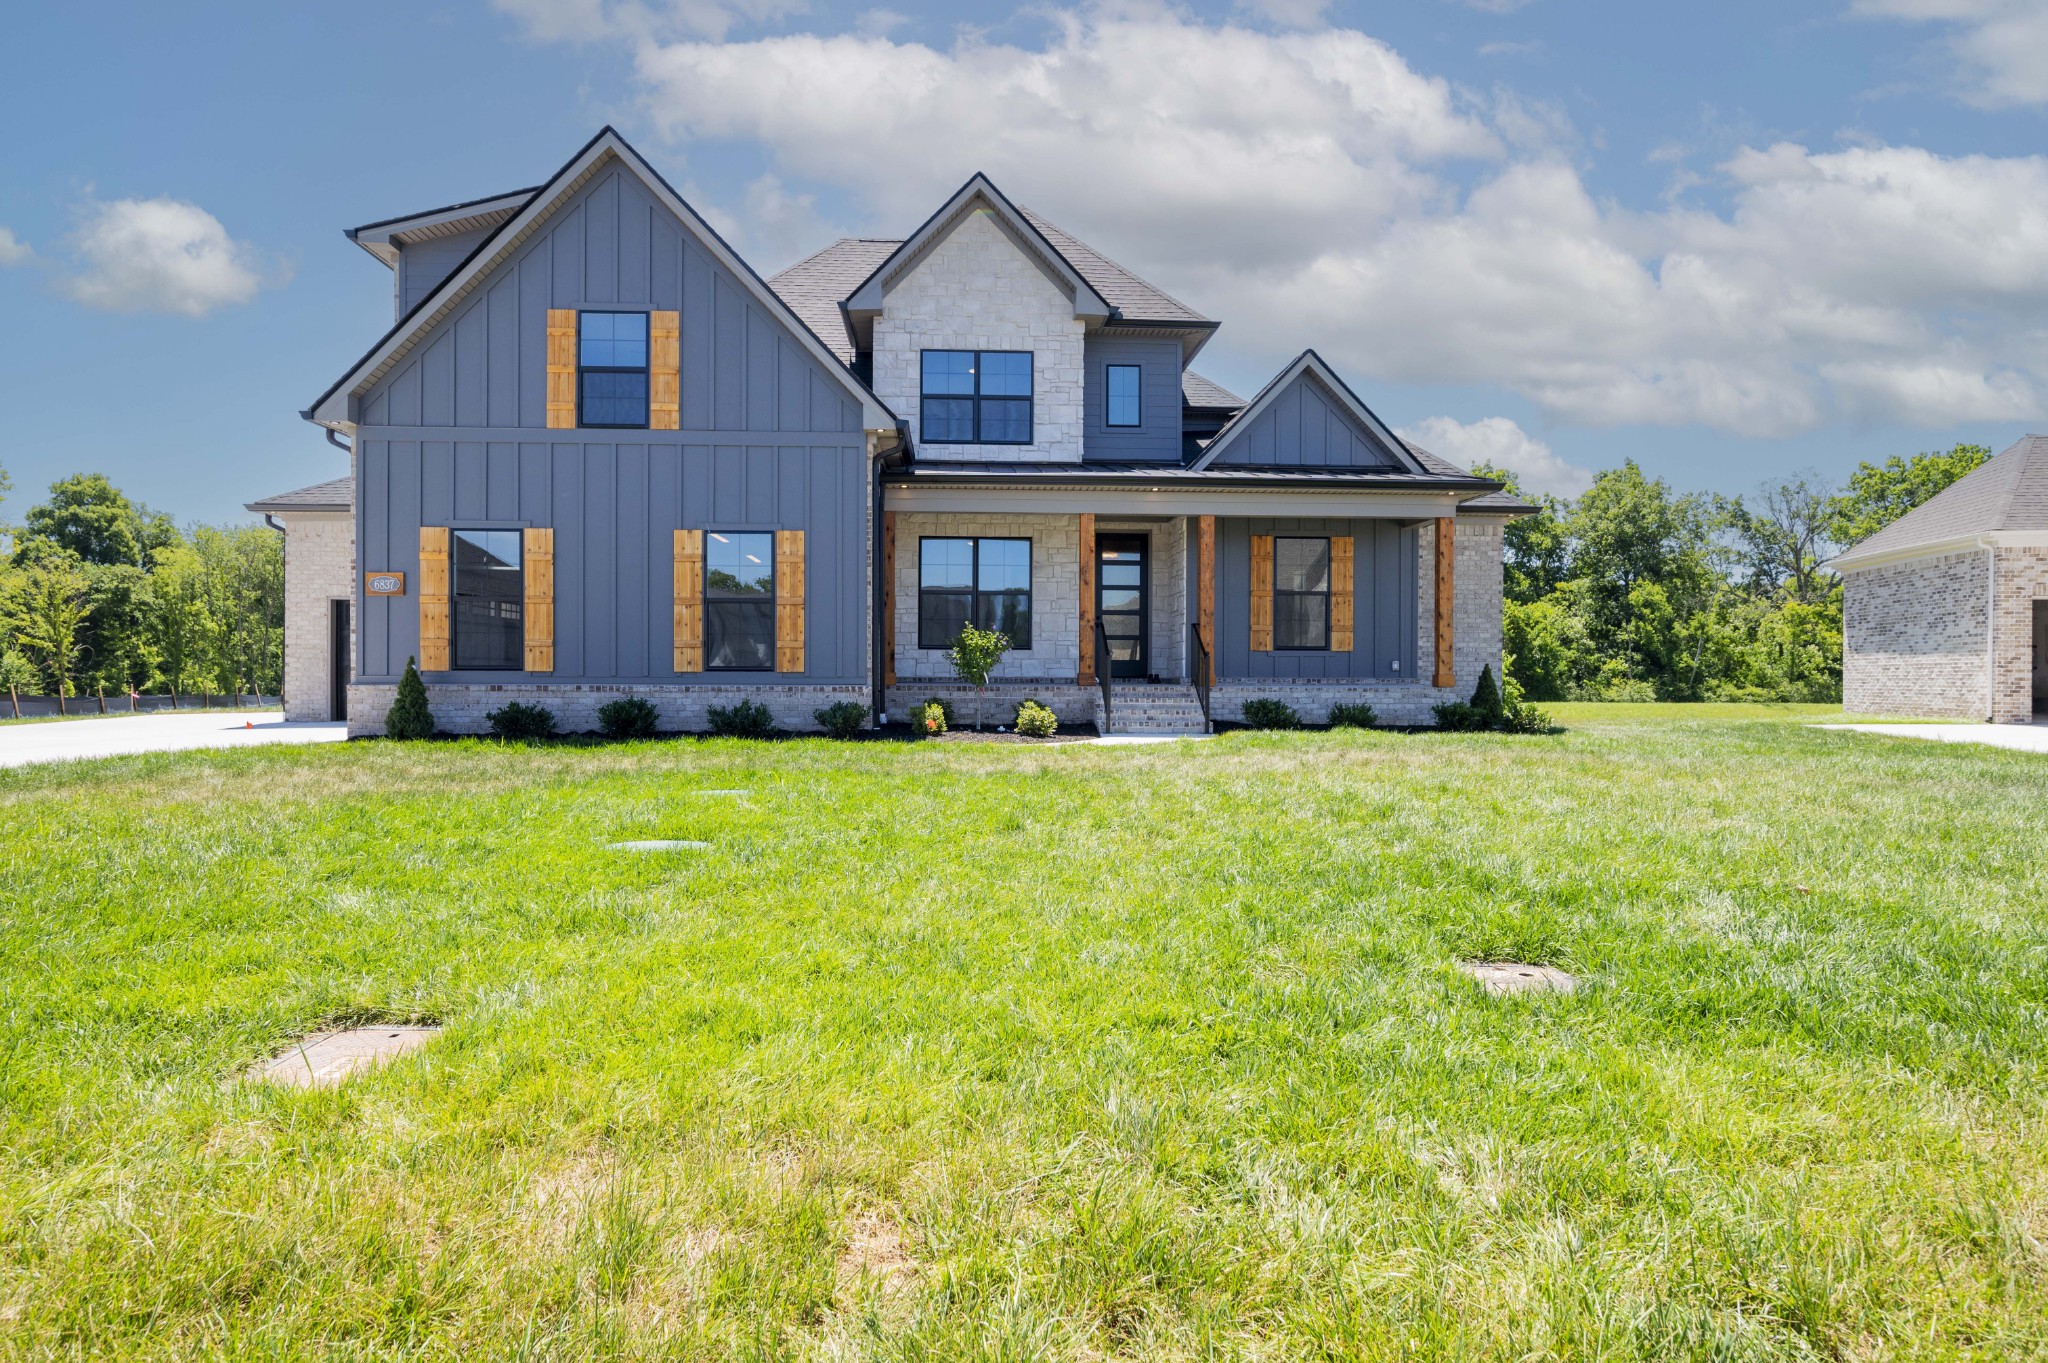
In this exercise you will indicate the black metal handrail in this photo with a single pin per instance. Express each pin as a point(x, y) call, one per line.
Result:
point(1203, 672)
point(1102, 669)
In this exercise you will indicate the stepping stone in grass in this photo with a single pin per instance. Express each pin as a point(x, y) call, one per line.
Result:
point(657, 845)
point(326, 1058)
point(1516, 977)
point(737, 794)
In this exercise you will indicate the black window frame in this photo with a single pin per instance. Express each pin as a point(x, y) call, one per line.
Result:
point(977, 397)
point(976, 592)
point(1138, 397)
point(644, 370)
point(1328, 590)
point(709, 598)
point(455, 599)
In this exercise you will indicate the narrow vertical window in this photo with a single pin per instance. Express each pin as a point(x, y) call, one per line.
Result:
point(739, 602)
point(611, 369)
point(490, 596)
point(1301, 593)
point(1120, 395)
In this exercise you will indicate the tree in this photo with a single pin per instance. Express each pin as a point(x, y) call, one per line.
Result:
point(1879, 494)
point(1537, 549)
point(88, 516)
point(179, 620)
point(243, 583)
point(974, 656)
point(1788, 534)
point(47, 604)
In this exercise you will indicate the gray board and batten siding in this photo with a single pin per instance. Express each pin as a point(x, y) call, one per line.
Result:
point(1305, 424)
point(1383, 602)
point(1157, 436)
point(457, 435)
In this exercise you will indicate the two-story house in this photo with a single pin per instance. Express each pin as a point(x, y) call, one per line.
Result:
point(598, 455)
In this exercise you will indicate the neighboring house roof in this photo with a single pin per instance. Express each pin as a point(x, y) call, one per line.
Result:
point(1196, 391)
point(1307, 362)
point(815, 286)
point(331, 409)
point(336, 494)
point(2008, 493)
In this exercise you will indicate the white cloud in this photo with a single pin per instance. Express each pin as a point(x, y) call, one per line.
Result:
point(1315, 189)
point(13, 250)
point(2000, 46)
point(1288, 13)
point(1502, 443)
point(160, 255)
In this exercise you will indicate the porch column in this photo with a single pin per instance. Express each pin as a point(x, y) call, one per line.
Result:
point(888, 598)
point(1086, 674)
point(1205, 593)
point(1446, 549)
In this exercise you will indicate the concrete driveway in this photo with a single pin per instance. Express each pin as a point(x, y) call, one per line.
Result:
point(2019, 737)
point(65, 740)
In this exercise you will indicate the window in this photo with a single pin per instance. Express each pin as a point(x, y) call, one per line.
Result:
point(1120, 395)
point(611, 369)
point(986, 582)
point(1301, 593)
point(739, 602)
point(489, 600)
point(977, 397)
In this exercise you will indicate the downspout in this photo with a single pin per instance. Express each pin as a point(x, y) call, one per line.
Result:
point(893, 458)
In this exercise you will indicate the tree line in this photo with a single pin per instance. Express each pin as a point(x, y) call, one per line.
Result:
point(1634, 592)
point(98, 593)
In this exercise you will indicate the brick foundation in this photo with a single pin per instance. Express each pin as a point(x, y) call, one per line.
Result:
point(460, 709)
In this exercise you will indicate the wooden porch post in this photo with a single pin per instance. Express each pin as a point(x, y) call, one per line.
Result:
point(1205, 588)
point(1086, 674)
point(888, 598)
point(1446, 548)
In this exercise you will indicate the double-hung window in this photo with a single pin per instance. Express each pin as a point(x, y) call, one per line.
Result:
point(739, 602)
point(982, 582)
point(489, 603)
point(976, 397)
point(1120, 389)
point(1301, 593)
point(611, 369)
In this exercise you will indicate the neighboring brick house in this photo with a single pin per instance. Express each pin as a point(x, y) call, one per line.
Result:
point(1945, 610)
point(319, 529)
point(598, 455)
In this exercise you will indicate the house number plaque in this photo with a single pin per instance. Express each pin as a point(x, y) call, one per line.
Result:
point(384, 584)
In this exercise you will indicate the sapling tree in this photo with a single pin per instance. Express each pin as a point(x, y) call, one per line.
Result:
point(974, 656)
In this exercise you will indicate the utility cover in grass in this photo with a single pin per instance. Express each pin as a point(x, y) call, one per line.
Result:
point(659, 845)
point(1515, 977)
point(326, 1058)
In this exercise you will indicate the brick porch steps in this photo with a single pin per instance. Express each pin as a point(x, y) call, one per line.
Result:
point(1154, 708)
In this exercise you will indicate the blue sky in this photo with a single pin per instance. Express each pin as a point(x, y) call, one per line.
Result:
point(1730, 240)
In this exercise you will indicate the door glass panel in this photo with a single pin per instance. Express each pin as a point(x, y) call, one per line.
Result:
point(1119, 599)
point(1122, 575)
point(1124, 649)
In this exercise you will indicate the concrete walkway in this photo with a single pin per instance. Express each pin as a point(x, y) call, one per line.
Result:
point(2019, 737)
point(63, 740)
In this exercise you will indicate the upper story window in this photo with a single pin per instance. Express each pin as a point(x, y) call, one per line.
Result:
point(983, 582)
point(611, 369)
point(739, 602)
point(976, 397)
point(1120, 395)
point(488, 619)
point(1301, 593)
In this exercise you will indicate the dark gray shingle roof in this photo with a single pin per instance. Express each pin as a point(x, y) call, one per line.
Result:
point(814, 286)
point(1197, 391)
point(1504, 502)
point(1133, 298)
point(2009, 492)
point(336, 494)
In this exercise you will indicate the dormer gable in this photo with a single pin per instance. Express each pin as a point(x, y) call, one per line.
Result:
point(1308, 417)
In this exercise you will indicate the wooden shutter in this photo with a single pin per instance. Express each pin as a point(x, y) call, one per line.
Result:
point(789, 601)
point(434, 631)
point(561, 368)
point(1340, 594)
point(664, 371)
point(538, 557)
point(1446, 550)
point(1262, 593)
point(689, 608)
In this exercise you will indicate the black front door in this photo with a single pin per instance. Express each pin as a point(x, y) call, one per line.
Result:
point(1120, 602)
point(338, 661)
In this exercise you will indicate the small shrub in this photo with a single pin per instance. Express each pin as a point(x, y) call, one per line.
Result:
point(946, 709)
point(930, 718)
point(409, 716)
point(1458, 717)
point(517, 720)
point(627, 717)
point(1486, 697)
point(975, 656)
point(1520, 717)
point(1350, 715)
point(1036, 721)
point(841, 719)
point(1266, 713)
point(747, 719)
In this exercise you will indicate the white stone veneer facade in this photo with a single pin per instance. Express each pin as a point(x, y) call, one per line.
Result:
point(977, 290)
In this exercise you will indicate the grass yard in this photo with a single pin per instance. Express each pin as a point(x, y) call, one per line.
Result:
point(953, 1052)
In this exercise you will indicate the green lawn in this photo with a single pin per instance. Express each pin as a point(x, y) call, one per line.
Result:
point(951, 1052)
